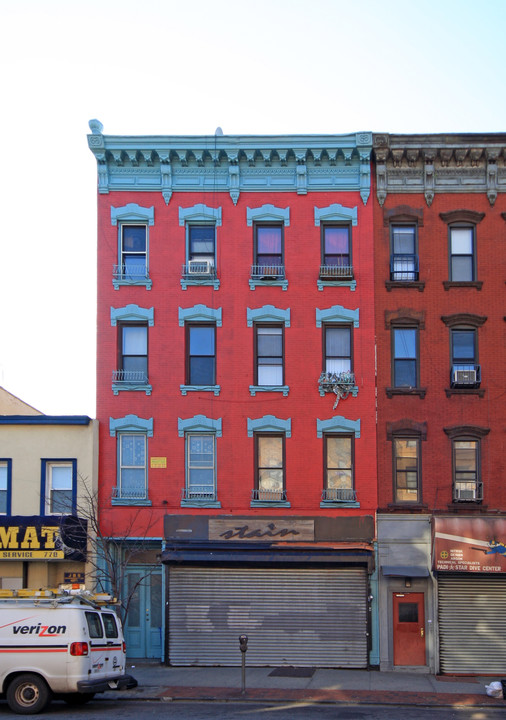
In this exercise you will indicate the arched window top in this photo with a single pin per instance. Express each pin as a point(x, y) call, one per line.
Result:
point(337, 313)
point(268, 313)
point(270, 423)
point(464, 320)
point(268, 213)
point(337, 424)
point(131, 423)
point(132, 313)
point(133, 213)
point(403, 214)
point(199, 313)
point(459, 431)
point(404, 316)
point(199, 423)
point(470, 217)
point(200, 213)
point(335, 213)
point(406, 428)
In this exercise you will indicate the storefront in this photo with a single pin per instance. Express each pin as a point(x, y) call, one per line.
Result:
point(297, 587)
point(470, 562)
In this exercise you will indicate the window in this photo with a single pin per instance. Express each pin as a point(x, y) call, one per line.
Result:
point(337, 349)
point(406, 470)
point(201, 249)
point(404, 257)
point(270, 468)
point(201, 355)
point(133, 256)
point(200, 467)
point(5, 486)
point(338, 469)
point(269, 355)
point(462, 254)
point(131, 433)
point(336, 252)
point(133, 222)
point(269, 251)
point(200, 222)
point(133, 356)
point(466, 485)
point(59, 485)
point(132, 467)
point(405, 356)
point(94, 625)
point(465, 371)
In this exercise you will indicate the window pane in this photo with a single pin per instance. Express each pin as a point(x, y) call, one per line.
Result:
point(462, 269)
point(339, 480)
point(270, 342)
point(3, 477)
point(136, 364)
point(338, 342)
point(94, 625)
point(336, 240)
point(111, 628)
point(405, 343)
point(3, 501)
point(201, 340)
point(270, 480)
point(202, 239)
point(269, 240)
point(134, 265)
point(270, 452)
point(408, 612)
point(201, 450)
point(405, 373)
point(270, 374)
point(462, 241)
point(133, 482)
point(338, 452)
point(133, 450)
point(202, 371)
point(135, 340)
point(134, 238)
point(463, 345)
point(61, 477)
point(465, 456)
point(403, 240)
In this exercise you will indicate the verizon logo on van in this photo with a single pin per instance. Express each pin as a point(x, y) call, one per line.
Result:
point(39, 629)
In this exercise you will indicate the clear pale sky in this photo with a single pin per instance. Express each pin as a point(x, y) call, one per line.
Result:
point(172, 67)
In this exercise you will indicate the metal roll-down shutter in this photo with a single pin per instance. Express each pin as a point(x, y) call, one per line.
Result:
point(472, 627)
point(300, 617)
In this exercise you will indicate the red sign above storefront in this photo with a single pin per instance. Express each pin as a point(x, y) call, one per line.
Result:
point(469, 545)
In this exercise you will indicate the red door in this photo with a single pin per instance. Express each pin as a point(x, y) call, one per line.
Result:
point(409, 629)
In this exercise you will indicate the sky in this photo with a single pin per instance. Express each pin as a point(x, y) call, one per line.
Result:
point(184, 68)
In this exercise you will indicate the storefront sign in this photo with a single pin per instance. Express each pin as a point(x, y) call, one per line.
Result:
point(42, 538)
point(261, 530)
point(470, 545)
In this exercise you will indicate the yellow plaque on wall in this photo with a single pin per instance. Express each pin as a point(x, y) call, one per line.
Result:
point(158, 462)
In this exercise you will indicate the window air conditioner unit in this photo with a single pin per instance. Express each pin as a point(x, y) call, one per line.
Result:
point(464, 377)
point(465, 493)
point(200, 267)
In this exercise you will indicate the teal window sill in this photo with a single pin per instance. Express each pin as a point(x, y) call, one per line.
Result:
point(254, 283)
point(269, 504)
point(336, 503)
point(131, 387)
point(148, 284)
point(202, 281)
point(201, 503)
point(353, 391)
point(352, 284)
point(131, 501)
point(253, 389)
point(200, 388)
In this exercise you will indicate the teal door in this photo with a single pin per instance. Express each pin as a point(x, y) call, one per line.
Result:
point(143, 628)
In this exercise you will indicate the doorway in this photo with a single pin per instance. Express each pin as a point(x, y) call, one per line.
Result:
point(143, 628)
point(409, 629)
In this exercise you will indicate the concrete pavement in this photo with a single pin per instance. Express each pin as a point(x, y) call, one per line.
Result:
point(321, 685)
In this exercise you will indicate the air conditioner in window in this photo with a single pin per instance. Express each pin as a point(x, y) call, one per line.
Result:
point(200, 267)
point(465, 377)
point(464, 494)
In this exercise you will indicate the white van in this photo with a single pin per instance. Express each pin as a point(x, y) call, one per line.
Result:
point(64, 646)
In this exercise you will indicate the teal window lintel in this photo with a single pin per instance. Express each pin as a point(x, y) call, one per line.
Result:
point(335, 213)
point(199, 313)
point(132, 213)
point(268, 313)
point(131, 423)
point(132, 313)
point(337, 424)
point(268, 213)
point(200, 213)
point(199, 423)
point(337, 313)
point(270, 423)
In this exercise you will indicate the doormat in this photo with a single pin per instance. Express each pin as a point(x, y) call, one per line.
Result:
point(302, 672)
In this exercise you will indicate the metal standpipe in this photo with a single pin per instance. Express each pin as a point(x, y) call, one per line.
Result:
point(243, 644)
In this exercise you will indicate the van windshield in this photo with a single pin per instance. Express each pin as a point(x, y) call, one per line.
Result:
point(111, 628)
point(94, 625)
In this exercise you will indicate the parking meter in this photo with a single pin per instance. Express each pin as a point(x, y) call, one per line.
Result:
point(243, 643)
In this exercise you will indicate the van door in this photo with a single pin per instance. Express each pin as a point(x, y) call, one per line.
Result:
point(105, 643)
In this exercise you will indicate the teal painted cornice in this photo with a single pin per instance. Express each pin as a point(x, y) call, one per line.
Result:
point(200, 213)
point(131, 423)
point(337, 313)
point(337, 424)
point(132, 313)
point(199, 423)
point(232, 163)
point(132, 213)
point(269, 423)
point(268, 313)
point(268, 213)
point(199, 313)
point(335, 213)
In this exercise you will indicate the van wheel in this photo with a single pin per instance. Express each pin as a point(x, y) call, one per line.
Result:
point(78, 698)
point(28, 694)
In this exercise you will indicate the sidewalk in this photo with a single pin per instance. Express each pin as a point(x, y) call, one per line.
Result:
point(321, 685)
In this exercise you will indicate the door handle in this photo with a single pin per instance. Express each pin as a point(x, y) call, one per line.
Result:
point(421, 632)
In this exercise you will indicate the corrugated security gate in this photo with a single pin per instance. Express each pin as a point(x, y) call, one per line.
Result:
point(300, 617)
point(472, 627)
